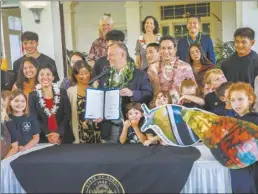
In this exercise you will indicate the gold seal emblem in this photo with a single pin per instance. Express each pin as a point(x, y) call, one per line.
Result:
point(102, 183)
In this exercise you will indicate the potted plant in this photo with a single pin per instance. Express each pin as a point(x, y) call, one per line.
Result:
point(223, 50)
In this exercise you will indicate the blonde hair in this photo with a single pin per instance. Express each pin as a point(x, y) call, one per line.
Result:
point(4, 115)
point(208, 74)
point(241, 86)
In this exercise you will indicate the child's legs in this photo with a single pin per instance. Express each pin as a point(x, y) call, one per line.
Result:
point(242, 180)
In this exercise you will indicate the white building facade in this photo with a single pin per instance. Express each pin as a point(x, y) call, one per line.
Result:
point(81, 22)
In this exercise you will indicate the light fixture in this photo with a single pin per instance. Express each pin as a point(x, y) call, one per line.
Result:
point(36, 8)
point(36, 13)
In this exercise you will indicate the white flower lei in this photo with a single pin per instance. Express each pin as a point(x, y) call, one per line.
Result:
point(42, 101)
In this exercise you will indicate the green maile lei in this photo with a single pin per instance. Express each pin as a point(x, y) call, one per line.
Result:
point(125, 78)
point(198, 41)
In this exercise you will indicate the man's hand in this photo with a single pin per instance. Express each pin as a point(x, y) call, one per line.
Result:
point(95, 84)
point(126, 92)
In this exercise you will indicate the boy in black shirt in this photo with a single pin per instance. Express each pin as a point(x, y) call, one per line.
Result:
point(30, 44)
point(225, 108)
point(243, 64)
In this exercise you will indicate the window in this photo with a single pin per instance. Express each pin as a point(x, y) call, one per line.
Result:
point(165, 30)
point(180, 11)
point(206, 29)
point(180, 31)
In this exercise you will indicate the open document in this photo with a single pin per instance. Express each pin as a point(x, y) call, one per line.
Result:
point(102, 104)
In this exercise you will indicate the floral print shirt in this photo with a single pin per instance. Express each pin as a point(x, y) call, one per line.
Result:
point(98, 49)
point(173, 73)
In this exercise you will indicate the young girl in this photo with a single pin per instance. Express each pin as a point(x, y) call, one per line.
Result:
point(212, 80)
point(189, 97)
point(162, 98)
point(27, 75)
point(131, 133)
point(242, 98)
point(23, 127)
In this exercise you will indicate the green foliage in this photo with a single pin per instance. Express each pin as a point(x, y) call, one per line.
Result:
point(223, 50)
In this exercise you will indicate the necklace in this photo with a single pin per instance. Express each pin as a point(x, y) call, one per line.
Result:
point(124, 78)
point(42, 101)
point(196, 41)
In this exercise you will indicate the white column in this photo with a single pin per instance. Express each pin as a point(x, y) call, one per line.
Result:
point(2, 37)
point(48, 30)
point(69, 12)
point(133, 25)
point(228, 20)
point(247, 14)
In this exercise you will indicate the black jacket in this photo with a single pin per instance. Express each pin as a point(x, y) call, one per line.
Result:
point(63, 117)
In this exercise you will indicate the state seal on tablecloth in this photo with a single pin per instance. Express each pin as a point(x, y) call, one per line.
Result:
point(102, 183)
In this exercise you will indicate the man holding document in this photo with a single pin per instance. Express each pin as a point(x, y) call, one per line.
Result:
point(122, 85)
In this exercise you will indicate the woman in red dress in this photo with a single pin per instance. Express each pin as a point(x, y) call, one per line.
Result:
point(52, 107)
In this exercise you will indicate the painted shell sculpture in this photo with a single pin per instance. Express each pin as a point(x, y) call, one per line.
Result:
point(166, 121)
point(233, 142)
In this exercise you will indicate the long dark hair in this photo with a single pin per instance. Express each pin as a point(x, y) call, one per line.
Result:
point(21, 77)
point(203, 60)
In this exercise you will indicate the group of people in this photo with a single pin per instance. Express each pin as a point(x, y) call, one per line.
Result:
point(165, 72)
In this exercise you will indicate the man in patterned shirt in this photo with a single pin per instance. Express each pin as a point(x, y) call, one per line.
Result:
point(99, 47)
point(172, 71)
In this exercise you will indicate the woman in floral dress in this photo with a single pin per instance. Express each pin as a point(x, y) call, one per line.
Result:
point(85, 131)
point(150, 28)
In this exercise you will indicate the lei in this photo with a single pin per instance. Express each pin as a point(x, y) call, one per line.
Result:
point(197, 41)
point(42, 101)
point(125, 78)
point(143, 43)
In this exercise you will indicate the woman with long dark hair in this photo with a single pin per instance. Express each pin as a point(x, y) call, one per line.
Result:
point(27, 75)
point(199, 62)
point(150, 30)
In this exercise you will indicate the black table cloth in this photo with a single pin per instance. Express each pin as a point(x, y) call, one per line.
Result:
point(137, 169)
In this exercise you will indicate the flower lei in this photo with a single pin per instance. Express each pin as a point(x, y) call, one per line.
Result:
point(42, 101)
point(126, 77)
point(143, 43)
